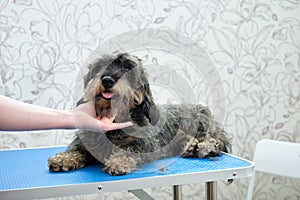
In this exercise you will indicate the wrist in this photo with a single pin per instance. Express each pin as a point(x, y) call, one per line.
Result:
point(62, 119)
point(69, 119)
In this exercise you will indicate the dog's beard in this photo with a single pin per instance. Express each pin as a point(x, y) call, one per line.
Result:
point(117, 105)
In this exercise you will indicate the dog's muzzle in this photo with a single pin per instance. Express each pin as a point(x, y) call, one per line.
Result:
point(108, 82)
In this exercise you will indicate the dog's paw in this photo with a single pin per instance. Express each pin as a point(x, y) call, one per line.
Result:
point(201, 149)
point(191, 148)
point(119, 164)
point(66, 161)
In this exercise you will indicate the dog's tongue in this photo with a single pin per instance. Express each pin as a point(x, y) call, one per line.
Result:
point(107, 95)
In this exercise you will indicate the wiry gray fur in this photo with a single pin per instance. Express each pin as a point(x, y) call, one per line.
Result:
point(158, 131)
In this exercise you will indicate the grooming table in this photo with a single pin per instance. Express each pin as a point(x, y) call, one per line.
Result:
point(24, 174)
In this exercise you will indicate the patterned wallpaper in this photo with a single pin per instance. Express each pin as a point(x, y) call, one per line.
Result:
point(254, 46)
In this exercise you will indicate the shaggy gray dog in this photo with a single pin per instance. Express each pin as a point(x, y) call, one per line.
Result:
point(119, 83)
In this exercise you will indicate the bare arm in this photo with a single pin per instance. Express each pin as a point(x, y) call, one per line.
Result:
point(19, 116)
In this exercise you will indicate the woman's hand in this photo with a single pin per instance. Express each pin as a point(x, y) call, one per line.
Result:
point(86, 119)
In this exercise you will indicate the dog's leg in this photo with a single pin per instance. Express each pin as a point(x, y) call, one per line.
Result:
point(119, 164)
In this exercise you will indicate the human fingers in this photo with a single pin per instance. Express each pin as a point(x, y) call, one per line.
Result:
point(114, 126)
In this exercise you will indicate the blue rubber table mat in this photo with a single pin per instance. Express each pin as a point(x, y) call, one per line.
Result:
point(27, 168)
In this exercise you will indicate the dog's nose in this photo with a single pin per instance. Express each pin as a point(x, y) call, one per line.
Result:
point(108, 82)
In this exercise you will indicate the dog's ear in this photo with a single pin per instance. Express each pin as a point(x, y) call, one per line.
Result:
point(150, 109)
point(144, 107)
point(81, 101)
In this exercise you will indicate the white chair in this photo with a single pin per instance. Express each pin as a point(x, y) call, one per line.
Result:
point(276, 158)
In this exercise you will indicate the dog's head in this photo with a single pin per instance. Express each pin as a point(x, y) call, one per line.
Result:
point(121, 81)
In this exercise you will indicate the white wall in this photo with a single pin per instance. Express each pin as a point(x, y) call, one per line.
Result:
point(253, 44)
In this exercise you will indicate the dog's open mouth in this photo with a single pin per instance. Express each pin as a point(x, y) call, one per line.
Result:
point(107, 95)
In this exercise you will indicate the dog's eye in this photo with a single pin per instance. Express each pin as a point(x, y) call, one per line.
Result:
point(128, 67)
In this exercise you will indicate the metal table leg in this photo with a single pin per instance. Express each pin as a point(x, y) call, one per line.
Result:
point(211, 190)
point(141, 194)
point(177, 192)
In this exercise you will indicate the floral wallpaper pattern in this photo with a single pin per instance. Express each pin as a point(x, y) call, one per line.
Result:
point(254, 45)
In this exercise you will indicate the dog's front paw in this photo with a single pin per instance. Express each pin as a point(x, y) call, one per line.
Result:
point(66, 161)
point(119, 164)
